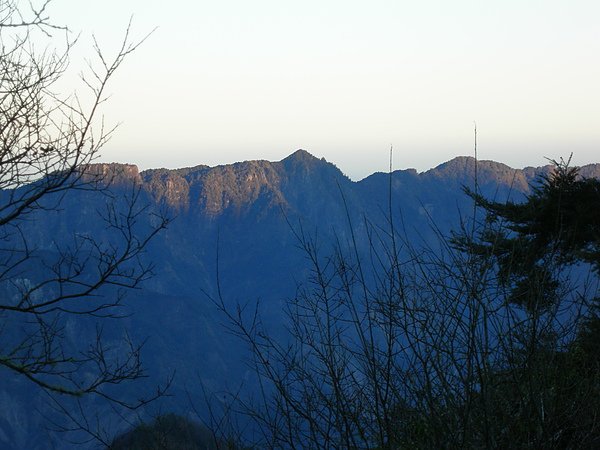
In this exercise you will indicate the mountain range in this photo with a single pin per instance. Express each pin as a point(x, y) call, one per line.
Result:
point(239, 224)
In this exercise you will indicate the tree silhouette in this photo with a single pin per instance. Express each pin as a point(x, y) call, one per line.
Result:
point(47, 145)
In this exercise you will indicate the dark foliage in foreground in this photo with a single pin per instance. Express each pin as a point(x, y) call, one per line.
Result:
point(560, 220)
point(168, 432)
point(491, 342)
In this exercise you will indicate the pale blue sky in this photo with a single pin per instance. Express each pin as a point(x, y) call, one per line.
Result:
point(231, 80)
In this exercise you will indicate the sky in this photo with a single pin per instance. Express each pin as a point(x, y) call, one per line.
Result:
point(233, 80)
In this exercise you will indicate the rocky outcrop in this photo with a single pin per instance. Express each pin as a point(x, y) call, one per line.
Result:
point(167, 187)
point(114, 174)
point(237, 187)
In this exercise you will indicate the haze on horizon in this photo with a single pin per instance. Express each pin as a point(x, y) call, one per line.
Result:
point(226, 81)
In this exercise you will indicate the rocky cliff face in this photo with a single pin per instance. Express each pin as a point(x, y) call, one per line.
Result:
point(236, 188)
point(233, 188)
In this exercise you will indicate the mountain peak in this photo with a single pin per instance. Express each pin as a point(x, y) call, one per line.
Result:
point(301, 159)
point(300, 155)
point(303, 163)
